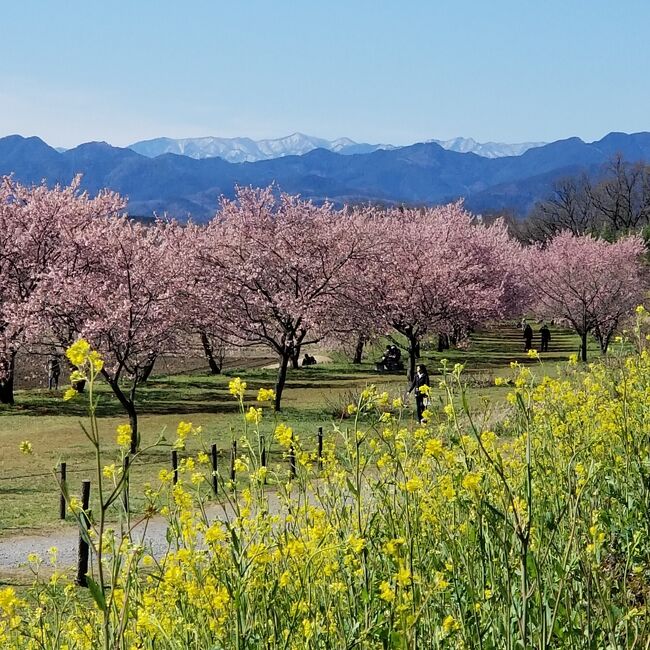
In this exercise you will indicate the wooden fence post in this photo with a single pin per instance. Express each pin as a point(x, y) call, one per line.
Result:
point(215, 476)
point(174, 466)
point(83, 549)
point(292, 461)
point(62, 482)
point(233, 456)
point(320, 447)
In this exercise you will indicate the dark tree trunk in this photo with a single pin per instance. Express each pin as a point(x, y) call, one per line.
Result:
point(414, 352)
point(583, 346)
point(215, 368)
point(282, 378)
point(443, 342)
point(128, 404)
point(7, 384)
point(358, 350)
point(147, 369)
point(604, 343)
point(295, 357)
point(603, 339)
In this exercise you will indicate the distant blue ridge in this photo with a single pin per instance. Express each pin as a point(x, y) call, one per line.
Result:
point(424, 173)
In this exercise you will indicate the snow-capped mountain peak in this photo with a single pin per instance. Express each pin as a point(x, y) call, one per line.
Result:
point(238, 150)
point(486, 149)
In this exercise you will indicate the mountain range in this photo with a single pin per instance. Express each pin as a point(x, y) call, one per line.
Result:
point(246, 150)
point(237, 150)
point(423, 173)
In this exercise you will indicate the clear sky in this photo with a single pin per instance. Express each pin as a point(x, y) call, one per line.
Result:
point(375, 71)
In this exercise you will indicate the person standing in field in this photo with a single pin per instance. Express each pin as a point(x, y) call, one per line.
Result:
point(53, 372)
point(528, 337)
point(545, 334)
point(421, 379)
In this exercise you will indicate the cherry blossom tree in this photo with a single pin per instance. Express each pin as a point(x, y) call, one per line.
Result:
point(442, 270)
point(119, 289)
point(35, 227)
point(200, 297)
point(355, 316)
point(587, 283)
point(274, 270)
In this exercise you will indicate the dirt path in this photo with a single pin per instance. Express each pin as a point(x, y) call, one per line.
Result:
point(150, 533)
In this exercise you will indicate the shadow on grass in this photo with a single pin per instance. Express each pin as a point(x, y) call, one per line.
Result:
point(200, 392)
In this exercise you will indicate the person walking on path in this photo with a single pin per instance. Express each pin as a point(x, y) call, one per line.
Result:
point(421, 379)
point(528, 337)
point(53, 372)
point(545, 334)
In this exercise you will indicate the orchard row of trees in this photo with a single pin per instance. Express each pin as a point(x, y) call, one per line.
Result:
point(274, 270)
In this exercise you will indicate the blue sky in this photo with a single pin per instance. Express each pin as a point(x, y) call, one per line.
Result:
point(380, 71)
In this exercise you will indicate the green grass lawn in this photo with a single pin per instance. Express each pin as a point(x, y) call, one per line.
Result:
point(313, 397)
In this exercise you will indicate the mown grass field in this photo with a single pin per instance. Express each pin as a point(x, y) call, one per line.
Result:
point(313, 397)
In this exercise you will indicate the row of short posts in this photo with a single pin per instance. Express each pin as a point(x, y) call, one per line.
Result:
point(83, 548)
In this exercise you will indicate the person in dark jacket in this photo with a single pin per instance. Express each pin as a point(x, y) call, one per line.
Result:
point(53, 372)
point(545, 334)
point(421, 379)
point(528, 337)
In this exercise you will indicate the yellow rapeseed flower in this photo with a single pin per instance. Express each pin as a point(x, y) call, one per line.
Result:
point(215, 534)
point(183, 429)
point(439, 581)
point(450, 624)
point(391, 547)
point(78, 352)
point(433, 447)
point(403, 576)
point(69, 394)
point(446, 487)
point(472, 482)
point(284, 435)
point(26, 447)
point(240, 465)
point(8, 600)
point(386, 592)
point(356, 543)
point(124, 432)
point(265, 395)
point(237, 387)
point(414, 484)
point(253, 415)
point(96, 360)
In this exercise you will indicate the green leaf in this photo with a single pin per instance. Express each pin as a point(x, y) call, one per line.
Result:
point(352, 487)
point(97, 593)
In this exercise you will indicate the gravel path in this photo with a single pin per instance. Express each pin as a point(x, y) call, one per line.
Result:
point(151, 533)
point(14, 550)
